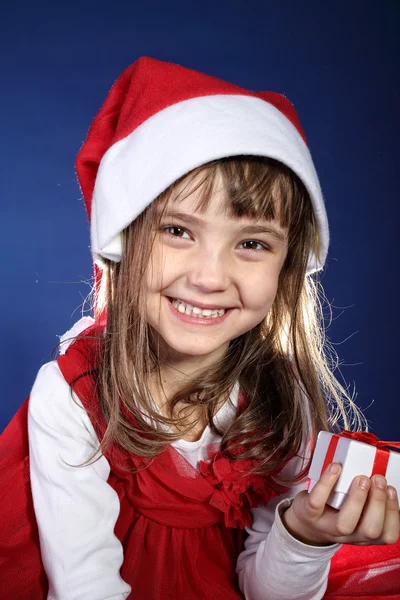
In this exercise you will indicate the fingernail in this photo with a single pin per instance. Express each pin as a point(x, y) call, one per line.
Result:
point(391, 492)
point(380, 482)
point(334, 468)
point(364, 483)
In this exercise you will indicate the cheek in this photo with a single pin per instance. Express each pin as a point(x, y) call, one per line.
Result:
point(157, 271)
point(259, 295)
point(153, 279)
point(164, 269)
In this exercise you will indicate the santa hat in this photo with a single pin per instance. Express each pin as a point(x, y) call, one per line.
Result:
point(159, 122)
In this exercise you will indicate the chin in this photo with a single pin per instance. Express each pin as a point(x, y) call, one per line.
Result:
point(191, 351)
point(188, 348)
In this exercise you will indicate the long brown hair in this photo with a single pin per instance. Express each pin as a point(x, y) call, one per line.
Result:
point(283, 365)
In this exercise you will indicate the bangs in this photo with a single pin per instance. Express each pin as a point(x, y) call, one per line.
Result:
point(253, 187)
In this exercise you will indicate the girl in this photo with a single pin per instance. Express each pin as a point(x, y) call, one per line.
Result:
point(170, 441)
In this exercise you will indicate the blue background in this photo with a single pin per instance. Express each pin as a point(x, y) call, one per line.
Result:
point(338, 62)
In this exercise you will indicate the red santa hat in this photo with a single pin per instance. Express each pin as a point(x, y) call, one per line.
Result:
point(159, 122)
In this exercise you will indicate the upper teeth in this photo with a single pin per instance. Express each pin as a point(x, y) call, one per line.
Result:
point(185, 307)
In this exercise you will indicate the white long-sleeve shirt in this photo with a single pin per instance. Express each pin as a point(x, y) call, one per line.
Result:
point(76, 510)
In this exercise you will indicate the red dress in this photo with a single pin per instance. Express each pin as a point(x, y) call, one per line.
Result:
point(181, 530)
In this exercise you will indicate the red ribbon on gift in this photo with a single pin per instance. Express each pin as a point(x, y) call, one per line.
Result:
point(382, 454)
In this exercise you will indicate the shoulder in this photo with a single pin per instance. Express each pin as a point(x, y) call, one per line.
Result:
point(55, 408)
point(80, 354)
point(53, 405)
point(70, 336)
point(49, 385)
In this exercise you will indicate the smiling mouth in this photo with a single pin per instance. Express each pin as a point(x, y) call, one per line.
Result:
point(196, 311)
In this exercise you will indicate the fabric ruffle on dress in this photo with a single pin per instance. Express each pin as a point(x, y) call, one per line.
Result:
point(238, 488)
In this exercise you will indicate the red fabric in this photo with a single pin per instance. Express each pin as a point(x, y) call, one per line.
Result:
point(22, 576)
point(173, 523)
point(365, 572)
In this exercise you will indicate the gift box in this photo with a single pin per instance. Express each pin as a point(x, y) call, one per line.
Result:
point(359, 453)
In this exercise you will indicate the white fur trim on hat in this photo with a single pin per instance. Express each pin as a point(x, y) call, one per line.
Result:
point(135, 170)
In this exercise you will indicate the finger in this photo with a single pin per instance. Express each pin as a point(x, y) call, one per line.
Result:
point(351, 510)
point(320, 493)
point(373, 519)
point(391, 527)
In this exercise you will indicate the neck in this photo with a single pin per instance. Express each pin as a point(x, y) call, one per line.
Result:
point(171, 378)
point(177, 369)
point(175, 372)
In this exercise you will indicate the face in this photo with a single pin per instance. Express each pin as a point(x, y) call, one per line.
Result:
point(212, 277)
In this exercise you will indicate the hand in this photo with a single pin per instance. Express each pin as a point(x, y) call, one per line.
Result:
point(369, 515)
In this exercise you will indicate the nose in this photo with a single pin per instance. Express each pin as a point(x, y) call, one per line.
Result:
point(209, 272)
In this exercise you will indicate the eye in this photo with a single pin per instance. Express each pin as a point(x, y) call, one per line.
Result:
point(174, 231)
point(252, 245)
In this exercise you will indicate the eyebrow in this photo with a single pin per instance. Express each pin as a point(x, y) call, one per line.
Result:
point(191, 220)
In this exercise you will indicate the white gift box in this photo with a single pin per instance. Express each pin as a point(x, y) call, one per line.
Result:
point(356, 458)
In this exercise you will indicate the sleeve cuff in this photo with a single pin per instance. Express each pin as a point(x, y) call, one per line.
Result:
point(295, 545)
